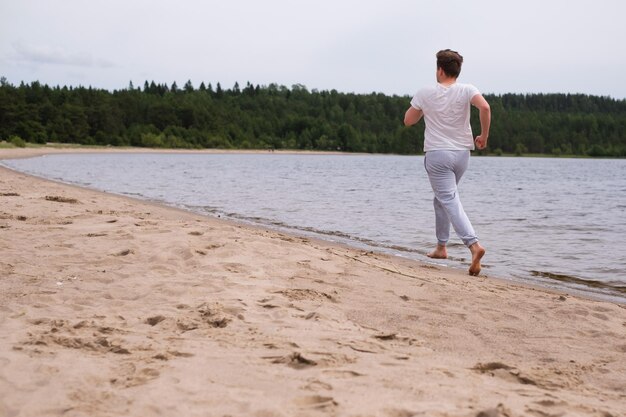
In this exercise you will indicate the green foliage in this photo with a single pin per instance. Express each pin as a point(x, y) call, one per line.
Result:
point(277, 117)
point(17, 141)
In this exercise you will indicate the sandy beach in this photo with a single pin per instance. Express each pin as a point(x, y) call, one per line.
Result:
point(111, 306)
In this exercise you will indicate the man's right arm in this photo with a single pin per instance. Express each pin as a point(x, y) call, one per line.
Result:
point(412, 116)
point(485, 120)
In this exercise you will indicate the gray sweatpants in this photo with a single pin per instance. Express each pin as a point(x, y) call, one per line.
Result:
point(445, 169)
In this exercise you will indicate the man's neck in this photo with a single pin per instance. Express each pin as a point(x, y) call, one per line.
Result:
point(446, 81)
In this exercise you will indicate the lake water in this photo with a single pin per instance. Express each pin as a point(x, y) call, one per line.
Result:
point(559, 223)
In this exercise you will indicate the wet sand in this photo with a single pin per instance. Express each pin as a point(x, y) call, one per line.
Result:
point(111, 306)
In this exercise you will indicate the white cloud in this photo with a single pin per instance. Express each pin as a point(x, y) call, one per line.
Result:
point(44, 54)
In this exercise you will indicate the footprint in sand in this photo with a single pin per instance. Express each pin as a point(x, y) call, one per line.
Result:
point(129, 376)
point(212, 315)
point(60, 199)
point(153, 321)
point(213, 246)
point(317, 385)
point(400, 413)
point(312, 316)
point(83, 336)
point(184, 254)
point(341, 373)
point(266, 304)
point(235, 268)
point(316, 401)
point(294, 360)
point(180, 354)
point(503, 371)
point(499, 411)
point(332, 360)
point(299, 294)
point(385, 336)
point(364, 347)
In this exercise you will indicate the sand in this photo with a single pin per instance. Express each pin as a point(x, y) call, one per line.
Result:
point(111, 306)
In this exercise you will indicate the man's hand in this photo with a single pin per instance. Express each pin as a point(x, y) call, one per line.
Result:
point(481, 141)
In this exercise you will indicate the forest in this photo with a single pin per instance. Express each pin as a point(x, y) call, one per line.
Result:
point(278, 117)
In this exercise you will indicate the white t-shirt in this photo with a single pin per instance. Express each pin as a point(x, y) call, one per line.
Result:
point(447, 116)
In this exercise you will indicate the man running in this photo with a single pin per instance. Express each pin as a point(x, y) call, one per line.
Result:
point(448, 141)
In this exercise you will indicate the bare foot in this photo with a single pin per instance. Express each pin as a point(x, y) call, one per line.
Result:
point(439, 253)
point(477, 254)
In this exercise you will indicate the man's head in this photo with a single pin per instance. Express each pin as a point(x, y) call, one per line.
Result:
point(449, 62)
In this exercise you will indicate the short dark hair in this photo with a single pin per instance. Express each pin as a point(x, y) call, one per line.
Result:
point(450, 62)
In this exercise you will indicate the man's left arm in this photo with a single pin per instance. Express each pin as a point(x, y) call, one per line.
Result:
point(485, 120)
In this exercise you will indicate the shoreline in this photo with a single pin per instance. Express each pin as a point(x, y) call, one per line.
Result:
point(111, 305)
point(587, 290)
point(34, 151)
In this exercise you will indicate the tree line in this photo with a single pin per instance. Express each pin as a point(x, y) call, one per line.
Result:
point(278, 117)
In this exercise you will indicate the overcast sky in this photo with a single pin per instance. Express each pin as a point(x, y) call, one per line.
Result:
point(388, 46)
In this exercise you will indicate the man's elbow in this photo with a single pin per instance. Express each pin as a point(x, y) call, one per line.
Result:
point(411, 117)
point(480, 103)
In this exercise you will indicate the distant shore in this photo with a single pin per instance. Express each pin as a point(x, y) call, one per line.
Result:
point(114, 306)
point(32, 150)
